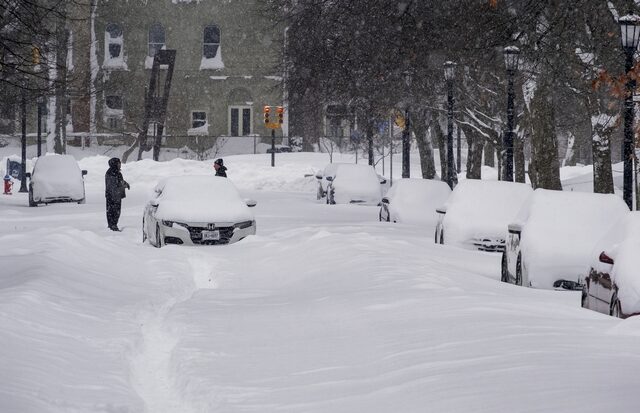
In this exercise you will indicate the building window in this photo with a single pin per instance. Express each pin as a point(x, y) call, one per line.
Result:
point(211, 41)
point(157, 39)
point(211, 51)
point(113, 47)
point(199, 124)
point(113, 112)
point(240, 120)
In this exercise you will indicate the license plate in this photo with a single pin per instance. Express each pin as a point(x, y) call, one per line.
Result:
point(210, 235)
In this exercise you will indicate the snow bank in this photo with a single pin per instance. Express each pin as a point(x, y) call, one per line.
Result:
point(200, 199)
point(415, 200)
point(561, 230)
point(482, 209)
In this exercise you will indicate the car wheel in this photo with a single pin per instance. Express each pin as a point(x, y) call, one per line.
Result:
point(158, 237)
point(144, 233)
point(331, 197)
point(504, 269)
point(519, 270)
point(615, 310)
point(82, 201)
point(442, 236)
point(32, 203)
point(380, 216)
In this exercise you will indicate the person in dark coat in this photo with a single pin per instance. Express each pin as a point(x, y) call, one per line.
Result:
point(221, 170)
point(114, 191)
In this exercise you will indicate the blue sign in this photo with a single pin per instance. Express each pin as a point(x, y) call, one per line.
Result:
point(14, 168)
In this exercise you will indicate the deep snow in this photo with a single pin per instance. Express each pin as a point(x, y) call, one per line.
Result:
point(324, 310)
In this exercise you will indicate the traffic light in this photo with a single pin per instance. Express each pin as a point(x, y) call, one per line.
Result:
point(280, 111)
point(267, 112)
point(35, 55)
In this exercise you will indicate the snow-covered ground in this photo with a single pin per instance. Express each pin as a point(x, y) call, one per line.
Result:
point(324, 310)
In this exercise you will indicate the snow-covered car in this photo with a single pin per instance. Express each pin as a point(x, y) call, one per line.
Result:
point(550, 242)
point(414, 201)
point(477, 213)
point(354, 184)
point(323, 183)
point(612, 285)
point(56, 178)
point(197, 210)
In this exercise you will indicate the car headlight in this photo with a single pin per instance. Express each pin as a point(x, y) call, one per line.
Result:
point(244, 224)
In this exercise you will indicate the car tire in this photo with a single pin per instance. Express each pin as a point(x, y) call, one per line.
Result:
point(519, 270)
point(144, 233)
point(615, 310)
point(380, 216)
point(32, 203)
point(331, 197)
point(82, 201)
point(442, 236)
point(504, 270)
point(158, 237)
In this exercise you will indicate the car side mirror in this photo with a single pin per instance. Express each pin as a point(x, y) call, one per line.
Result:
point(385, 200)
point(251, 203)
point(441, 210)
point(318, 176)
point(84, 172)
point(605, 259)
point(28, 175)
point(514, 228)
point(329, 178)
point(309, 175)
point(154, 202)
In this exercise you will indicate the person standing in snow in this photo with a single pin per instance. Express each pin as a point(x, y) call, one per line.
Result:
point(114, 191)
point(221, 170)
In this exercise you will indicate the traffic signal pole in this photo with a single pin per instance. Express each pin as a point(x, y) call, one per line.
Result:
point(273, 147)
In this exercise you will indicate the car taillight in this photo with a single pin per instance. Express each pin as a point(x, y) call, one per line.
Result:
point(604, 258)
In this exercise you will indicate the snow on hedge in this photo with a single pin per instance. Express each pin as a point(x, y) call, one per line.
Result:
point(482, 209)
point(560, 231)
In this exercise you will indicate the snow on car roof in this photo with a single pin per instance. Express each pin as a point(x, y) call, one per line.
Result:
point(561, 230)
point(200, 199)
point(415, 200)
point(481, 209)
point(57, 175)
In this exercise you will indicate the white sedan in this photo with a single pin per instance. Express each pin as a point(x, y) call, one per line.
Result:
point(56, 178)
point(197, 210)
point(414, 201)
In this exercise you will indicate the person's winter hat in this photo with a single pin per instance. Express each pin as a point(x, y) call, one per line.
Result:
point(114, 162)
point(219, 162)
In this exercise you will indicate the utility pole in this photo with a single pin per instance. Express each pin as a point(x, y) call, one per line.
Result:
point(23, 115)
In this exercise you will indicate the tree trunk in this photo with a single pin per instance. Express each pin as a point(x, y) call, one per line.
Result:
point(425, 146)
point(489, 154)
point(543, 139)
point(475, 144)
point(440, 137)
point(601, 129)
point(62, 40)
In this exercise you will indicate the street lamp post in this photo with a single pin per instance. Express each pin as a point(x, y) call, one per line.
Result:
point(23, 140)
point(511, 63)
point(406, 132)
point(449, 76)
point(630, 30)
